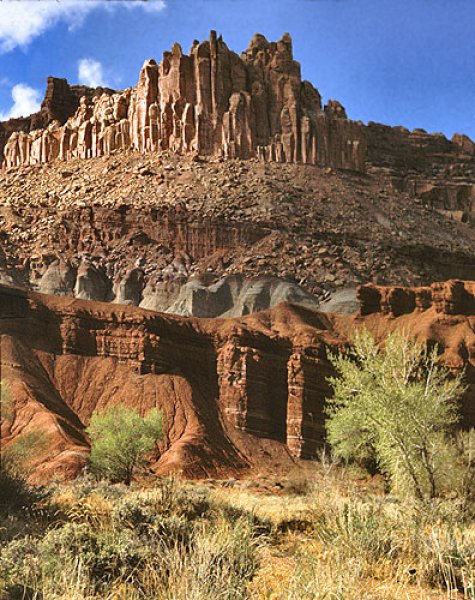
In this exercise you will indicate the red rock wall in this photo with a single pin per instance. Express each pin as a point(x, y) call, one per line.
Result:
point(448, 297)
point(233, 391)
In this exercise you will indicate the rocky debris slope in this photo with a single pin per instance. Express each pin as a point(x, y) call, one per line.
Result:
point(128, 227)
point(211, 102)
point(217, 169)
point(237, 394)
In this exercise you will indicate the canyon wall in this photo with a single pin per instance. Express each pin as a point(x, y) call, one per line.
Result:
point(439, 171)
point(237, 394)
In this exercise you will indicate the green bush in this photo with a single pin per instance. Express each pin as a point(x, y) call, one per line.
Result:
point(397, 405)
point(121, 440)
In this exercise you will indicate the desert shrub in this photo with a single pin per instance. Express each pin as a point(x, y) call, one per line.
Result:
point(175, 498)
point(102, 556)
point(446, 559)
point(15, 493)
point(363, 529)
point(331, 579)
point(152, 525)
point(374, 548)
point(464, 443)
point(297, 486)
point(218, 562)
point(184, 541)
point(106, 553)
point(395, 404)
point(121, 439)
point(87, 484)
point(152, 554)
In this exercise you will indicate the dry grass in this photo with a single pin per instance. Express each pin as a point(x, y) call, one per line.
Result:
point(345, 539)
point(331, 537)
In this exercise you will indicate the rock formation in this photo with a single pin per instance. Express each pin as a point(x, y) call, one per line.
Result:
point(427, 166)
point(448, 298)
point(213, 102)
point(192, 224)
point(219, 186)
point(60, 102)
point(210, 102)
point(233, 296)
point(237, 394)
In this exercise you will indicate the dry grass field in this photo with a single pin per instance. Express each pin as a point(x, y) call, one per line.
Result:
point(330, 533)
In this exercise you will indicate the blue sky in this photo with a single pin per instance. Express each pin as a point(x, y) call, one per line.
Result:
point(401, 62)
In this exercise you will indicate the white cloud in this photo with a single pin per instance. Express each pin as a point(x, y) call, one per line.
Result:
point(91, 73)
point(26, 100)
point(22, 21)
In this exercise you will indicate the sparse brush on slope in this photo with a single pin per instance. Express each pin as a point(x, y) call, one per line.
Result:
point(16, 458)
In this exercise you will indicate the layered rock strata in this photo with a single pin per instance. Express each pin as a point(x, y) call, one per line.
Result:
point(210, 102)
point(449, 298)
point(438, 171)
point(237, 394)
point(149, 258)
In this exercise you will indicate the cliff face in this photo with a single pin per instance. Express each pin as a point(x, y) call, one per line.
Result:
point(211, 102)
point(12, 127)
point(448, 298)
point(60, 102)
point(439, 171)
point(214, 102)
point(237, 394)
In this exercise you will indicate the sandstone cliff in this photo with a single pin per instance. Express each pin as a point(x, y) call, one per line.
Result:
point(213, 102)
point(210, 102)
point(60, 102)
point(438, 171)
point(237, 394)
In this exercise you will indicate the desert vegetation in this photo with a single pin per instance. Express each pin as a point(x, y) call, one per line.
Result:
point(364, 521)
point(332, 533)
point(121, 440)
point(395, 406)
